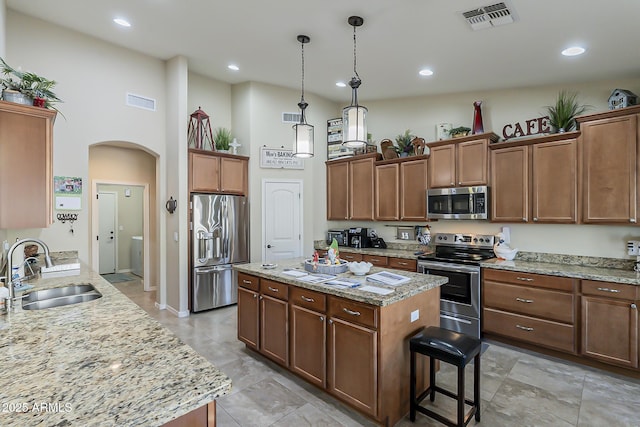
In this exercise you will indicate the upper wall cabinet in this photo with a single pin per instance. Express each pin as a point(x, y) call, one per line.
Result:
point(351, 187)
point(26, 166)
point(213, 172)
point(609, 163)
point(535, 180)
point(401, 189)
point(460, 162)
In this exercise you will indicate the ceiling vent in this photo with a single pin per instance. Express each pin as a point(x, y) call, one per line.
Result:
point(291, 117)
point(141, 102)
point(488, 16)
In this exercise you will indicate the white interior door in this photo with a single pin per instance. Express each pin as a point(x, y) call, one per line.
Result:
point(282, 220)
point(107, 232)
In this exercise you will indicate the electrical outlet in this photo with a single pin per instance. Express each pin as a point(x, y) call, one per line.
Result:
point(415, 315)
point(633, 247)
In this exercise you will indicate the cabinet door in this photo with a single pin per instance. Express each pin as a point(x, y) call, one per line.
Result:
point(204, 172)
point(248, 317)
point(274, 329)
point(472, 159)
point(337, 191)
point(442, 166)
point(26, 179)
point(510, 184)
point(353, 364)
point(555, 185)
point(609, 163)
point(309, 345)
point(610, 331)
point(413, 190)
point(361, 189)
point(233, 175)
point(387, 192)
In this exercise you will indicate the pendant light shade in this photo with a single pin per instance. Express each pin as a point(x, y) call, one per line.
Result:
point(354, 117)
point(303, 132)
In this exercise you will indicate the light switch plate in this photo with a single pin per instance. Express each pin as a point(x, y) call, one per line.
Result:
point(415, 315)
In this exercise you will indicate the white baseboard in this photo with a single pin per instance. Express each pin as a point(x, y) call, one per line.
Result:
point(176, 312)
point(125, 270)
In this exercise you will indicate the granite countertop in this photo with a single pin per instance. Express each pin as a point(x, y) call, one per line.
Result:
point(102, 362)
point(419, 282)
point(602, 272)
point(406, 251)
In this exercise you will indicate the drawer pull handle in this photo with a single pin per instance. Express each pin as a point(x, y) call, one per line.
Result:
point(351, 312)
point(528, 301)
point(307, 299)
point(402, 263)
point(273, 289)
point(525, 279)
point(524, 328)
point(246, 282)
point(615, 291)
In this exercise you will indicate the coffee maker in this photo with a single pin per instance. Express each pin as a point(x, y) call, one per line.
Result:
point(358, 237)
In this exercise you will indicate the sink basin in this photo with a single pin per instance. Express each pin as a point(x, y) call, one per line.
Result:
point(57, 297)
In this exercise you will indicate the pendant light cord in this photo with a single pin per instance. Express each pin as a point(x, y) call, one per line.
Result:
point(302, 98)
point(354, 53)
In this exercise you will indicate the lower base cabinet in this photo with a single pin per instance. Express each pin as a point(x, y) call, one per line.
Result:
point(204, 416)
point(308, 344)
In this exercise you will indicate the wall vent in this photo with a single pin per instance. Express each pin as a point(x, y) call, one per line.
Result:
point(489, 16)
point(291, 117)
point(140, 101)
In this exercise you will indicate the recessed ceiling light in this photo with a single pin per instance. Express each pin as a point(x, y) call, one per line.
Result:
point(425, 72)
point(341, 84)
point(573, 51)
point(121, 21)
point(233, 67)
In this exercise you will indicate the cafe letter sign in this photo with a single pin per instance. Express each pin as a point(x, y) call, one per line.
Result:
point(531, 127)
point(279, 158)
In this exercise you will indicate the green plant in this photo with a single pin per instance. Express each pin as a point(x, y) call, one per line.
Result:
point(403, 142)
point(459, 130)
point(30, 84)
point(562, 114)
point(222, 138)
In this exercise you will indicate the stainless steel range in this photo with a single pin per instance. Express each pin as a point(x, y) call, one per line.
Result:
point(458, 257)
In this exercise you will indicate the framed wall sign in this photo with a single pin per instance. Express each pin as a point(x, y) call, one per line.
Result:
point(279, 158)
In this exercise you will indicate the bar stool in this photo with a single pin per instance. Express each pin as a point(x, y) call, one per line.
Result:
point(450, 347)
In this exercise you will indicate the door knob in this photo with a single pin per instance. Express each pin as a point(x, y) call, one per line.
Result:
point(269, 246)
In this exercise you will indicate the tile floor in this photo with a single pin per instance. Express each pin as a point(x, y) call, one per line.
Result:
point(518, 388)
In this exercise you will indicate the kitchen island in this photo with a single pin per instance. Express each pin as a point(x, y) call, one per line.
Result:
point(350, 342)
point(103, 362)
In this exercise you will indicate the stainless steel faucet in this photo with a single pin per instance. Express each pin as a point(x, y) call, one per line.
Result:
point(8, 279)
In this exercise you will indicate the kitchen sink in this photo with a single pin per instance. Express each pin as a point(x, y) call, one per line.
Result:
point(57, 297)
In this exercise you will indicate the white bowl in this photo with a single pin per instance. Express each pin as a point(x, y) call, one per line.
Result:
point(360, 268)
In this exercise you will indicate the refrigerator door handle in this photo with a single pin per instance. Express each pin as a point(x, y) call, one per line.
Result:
point(209, 270)
point(204, 240)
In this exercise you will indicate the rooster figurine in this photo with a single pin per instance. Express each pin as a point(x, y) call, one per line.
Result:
point(502, 250)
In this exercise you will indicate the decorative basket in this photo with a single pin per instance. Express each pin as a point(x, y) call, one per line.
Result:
point(326, 268)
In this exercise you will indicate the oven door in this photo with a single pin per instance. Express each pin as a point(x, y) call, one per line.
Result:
point(461, 295)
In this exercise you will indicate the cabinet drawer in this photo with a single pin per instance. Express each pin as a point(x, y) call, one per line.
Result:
point(275, 289)
point(350, 256)
point(249, 282)
point(544, 333)
point(308, 299)
point(548, 304)
point(610, 290)
point(354, 312)
point(528, 279)
point(403, 264)
point(380, 261)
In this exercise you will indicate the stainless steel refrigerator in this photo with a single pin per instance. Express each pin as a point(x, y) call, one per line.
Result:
point(219, 239)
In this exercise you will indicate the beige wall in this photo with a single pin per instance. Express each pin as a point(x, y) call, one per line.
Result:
point(113, 164)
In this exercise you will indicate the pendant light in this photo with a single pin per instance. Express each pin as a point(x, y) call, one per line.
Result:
point(354, 124)
point(303, 144)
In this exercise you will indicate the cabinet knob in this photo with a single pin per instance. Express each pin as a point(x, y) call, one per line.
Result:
point(634, 306)
point(524, 218)
point(330, 322)
point(633, 220)
point(321, 318)
point(260, 296)
point(460, 183)
point(535, 219)
point(255, 295)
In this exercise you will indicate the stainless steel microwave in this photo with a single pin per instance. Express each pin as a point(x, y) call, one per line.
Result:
point(458, 203)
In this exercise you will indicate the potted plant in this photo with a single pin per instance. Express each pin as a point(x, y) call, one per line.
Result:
point(222, 138)
point(459, 131)
point(403, 142)
point(34, 89)
point(562, 114)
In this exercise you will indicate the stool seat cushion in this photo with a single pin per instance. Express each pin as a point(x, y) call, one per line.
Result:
point(448, 346)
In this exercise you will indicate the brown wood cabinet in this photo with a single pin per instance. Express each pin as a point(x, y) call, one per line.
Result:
point(403, 264)
point(535, 180)
point(377, 260)
point(401, 189)
point(308, 340)
point(534, 308)
point(610, 322)
point(26, 166)
point(351, 187)
point(204, 416)
point(249, 310)
point(351, 256)
point(274, 321)
point(460, 162)
point(388, 192)
point(214, 172)
point(609, 160)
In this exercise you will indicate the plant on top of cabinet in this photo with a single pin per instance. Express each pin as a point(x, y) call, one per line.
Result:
point(459, 131)
point(562, 115)
point(222, 138)
point(31, 85)
point(403, 142)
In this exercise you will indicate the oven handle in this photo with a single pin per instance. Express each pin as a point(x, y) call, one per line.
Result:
point(455, 319)
point(446, 266)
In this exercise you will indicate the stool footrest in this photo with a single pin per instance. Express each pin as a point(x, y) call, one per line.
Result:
point(444, 420)
point(442, 391)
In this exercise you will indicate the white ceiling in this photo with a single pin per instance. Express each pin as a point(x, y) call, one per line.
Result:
point(398, 38)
